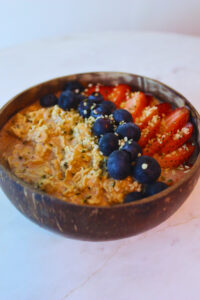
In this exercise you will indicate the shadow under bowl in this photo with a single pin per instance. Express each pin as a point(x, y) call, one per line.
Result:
point(92, 222)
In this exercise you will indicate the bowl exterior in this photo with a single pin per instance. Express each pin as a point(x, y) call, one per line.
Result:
point(98, 223)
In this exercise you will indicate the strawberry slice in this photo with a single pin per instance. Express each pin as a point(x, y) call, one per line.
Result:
point(136, 104)
point(164, 108)
point(150, 131)
point(175, 158)
point(169, 125)
point(179, 138)
point(146, 116)
point(175, 120)
point(120, 93)
point(151, 101)
point(104, 90)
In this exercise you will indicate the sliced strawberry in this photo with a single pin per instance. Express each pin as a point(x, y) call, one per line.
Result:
point(179, 138)
point(104, 90)
point(88, 91)
point(120, 93)
point(151, 101)
point(169, 125)
point(146, 116)
point(164, 108)
point(135, 104)
point(156, 144)
point(175, 120)
point(175, 158)
point(150, 131)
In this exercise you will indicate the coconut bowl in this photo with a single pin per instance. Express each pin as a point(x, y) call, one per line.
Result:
point(92, 222)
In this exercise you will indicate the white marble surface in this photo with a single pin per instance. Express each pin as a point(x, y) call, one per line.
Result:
point(161, 264)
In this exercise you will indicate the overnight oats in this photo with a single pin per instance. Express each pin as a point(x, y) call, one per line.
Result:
point(99, 145)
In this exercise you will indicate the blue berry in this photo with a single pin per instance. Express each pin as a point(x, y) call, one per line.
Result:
point(48, 100)
point(96, 98)
point(84, 108)
point(67, 100)
point(79, 98)
point(102, 109)
point(134, 196)
point(108, 106)
point(129, 130)
point(108, 143)
point(118, 165)
point(102, 126)
point(146, 169)
point(74, 86)
point(133, 149)
point(154, 188)
point(122, 115)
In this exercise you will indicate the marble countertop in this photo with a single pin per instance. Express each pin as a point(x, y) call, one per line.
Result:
point(161, 264)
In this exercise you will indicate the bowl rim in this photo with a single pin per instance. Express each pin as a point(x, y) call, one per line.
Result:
point(142, 201)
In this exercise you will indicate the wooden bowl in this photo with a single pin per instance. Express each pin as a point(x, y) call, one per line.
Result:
point(92, 222)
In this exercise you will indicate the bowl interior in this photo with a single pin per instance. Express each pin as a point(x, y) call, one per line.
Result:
point(148, 85)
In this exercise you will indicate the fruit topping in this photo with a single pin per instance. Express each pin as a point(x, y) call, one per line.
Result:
point(136, 104)
point(102, 126)
point(146, 169)
point(85, 107)
point(129, 130)
point(175, 158)
point(120, 93)
point(133, 149)
point(67, 100)
point(154, 188)
point(118, 164)
point(48, 100)
point(96, 98)
point(108, 143)
point(104, 108)
point(122, 115)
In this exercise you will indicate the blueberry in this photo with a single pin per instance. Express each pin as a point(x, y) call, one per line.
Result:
point(96, 98)
point(108, 143)
point(154, 188)
point(122, 115)
point(129, 130)
point(79, 98)
point(118, 165)
point(134, 196)
point(67, 100)
point(146, 169)
point(133, 149)
point(102, 126)
point(84, 108)
point(48, 100)
point(108, 106)
point(74, 86)
point(102, 109)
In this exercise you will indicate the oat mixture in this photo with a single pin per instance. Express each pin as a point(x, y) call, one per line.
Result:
point(55, 151)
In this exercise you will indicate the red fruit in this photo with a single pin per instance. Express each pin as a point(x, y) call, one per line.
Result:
point(169, 125)
point(179, 138)
point(151, 101)
point(164, 108)
point(146, 116)
point(104, 90)
point(175, 158)
point(120, 93)
point(175, 120)
point(135, 104)
point(150, 131)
